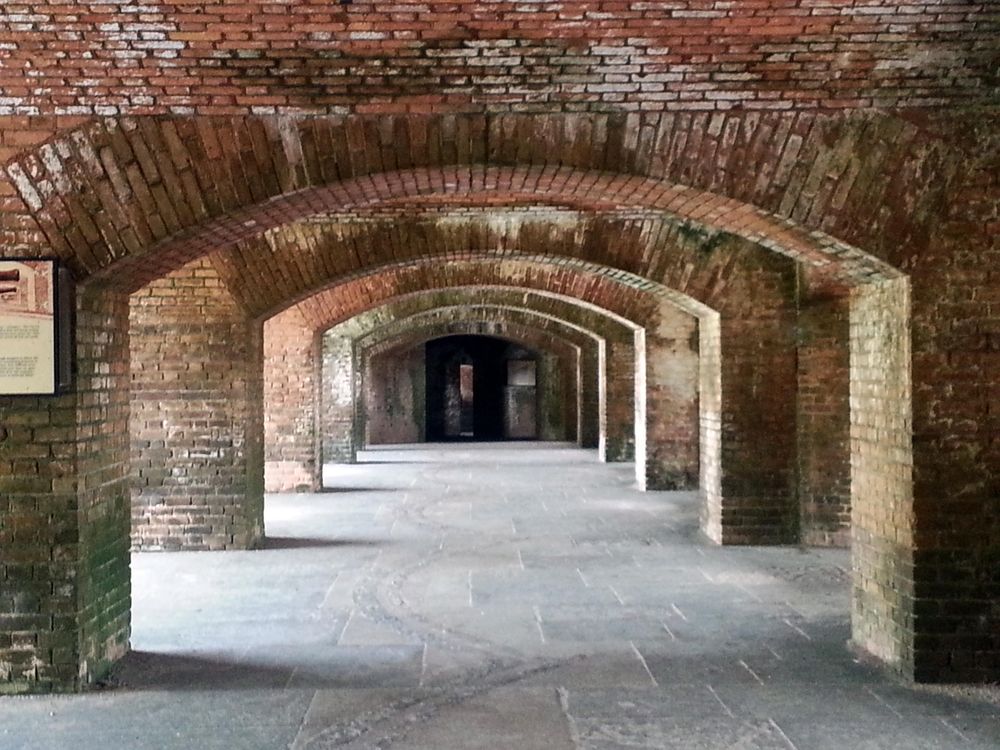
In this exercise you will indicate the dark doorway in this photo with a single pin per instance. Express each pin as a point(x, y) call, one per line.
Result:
point(480, 388)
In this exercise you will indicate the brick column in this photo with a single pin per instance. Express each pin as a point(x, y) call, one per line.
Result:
point(589, 415)
point(666, 397)
point(747, 425)
point(291, 383)
point(824, 420)
point(551, 402)
point(337, 417)
point(617, 441)
point(64, 515)
point(197, 417)
point(884, 608)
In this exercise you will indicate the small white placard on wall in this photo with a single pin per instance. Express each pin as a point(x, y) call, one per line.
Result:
point(27, 327)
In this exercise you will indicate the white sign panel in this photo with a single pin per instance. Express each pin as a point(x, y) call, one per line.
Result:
point(27, 327)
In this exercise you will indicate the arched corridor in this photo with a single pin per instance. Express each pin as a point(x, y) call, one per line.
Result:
point(525, 590)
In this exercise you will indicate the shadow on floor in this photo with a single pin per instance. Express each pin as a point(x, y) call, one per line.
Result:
point(335, 490)
point(297, 542)
point(144, 670)
point(278, 667)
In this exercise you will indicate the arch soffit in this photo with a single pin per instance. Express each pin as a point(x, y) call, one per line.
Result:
point(415, 336)
point(103, 174)
point(593, 323)
point(620, 295)
point(573, 333)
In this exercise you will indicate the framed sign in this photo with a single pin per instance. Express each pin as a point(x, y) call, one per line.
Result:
point(30, 324)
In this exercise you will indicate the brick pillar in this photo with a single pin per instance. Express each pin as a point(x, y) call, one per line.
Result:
point(64, 515)
point(551, 403)
point(884, 609)
point(392, 409)
point(570, 375)
point(337, 417)
point(824, 420)
point(197, 418)
point(617, 441)
point(291, 382)
point(590, 409)
point(666, 397)
point(749, 489)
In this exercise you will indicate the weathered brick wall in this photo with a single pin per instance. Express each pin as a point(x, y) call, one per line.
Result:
point(207, 57)
point(588, 427)
point(103, 577)
point(64, 515)
point(617, 364)
point(291, 393)
point(956, 420)
point(882, 538)
point(197, 415)
point(557, 397)
point(39, 637)
point(497, 324)
point(824, 419)
point(337, 403)
point(874, 122)
point(758, 416)
point(394, 399)
point(666, 392)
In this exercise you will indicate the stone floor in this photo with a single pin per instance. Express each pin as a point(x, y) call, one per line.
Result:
point(484, 596)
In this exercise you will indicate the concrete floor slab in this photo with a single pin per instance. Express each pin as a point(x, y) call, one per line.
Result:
point(495, 596)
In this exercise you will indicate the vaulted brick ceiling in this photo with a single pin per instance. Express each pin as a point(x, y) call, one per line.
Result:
point(136, 198)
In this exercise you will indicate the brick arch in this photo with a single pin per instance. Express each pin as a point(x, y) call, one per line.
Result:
point(874, 319)
point(560, 362)
point(101, 192)
point(338, 433)
point(608, 420)
point(291, 353)
point(685, 215)
point(670, 461)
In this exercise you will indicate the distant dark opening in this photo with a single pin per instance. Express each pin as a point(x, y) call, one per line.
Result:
point(480, 388)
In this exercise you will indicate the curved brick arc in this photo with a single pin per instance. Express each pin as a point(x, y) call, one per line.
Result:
point(540, 333)
point(292, 354)
point(113, 187)
point(624, 297)
point(678, 444)
point(529, 333)
point(97, 196)
point(698, 212)
point(338, 432)
point(724, 279)
point(606, 387)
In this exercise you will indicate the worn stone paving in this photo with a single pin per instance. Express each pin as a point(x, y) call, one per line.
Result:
point(494, 596)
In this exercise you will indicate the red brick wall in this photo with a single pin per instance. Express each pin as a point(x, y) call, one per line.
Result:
point(291, 393)
point(824, 420)
point(64, 515)
point(882, 532)
point(394, 399)
point(196, 415)
point(207, 57)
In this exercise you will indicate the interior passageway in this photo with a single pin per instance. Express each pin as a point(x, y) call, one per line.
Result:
point(494, 596)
